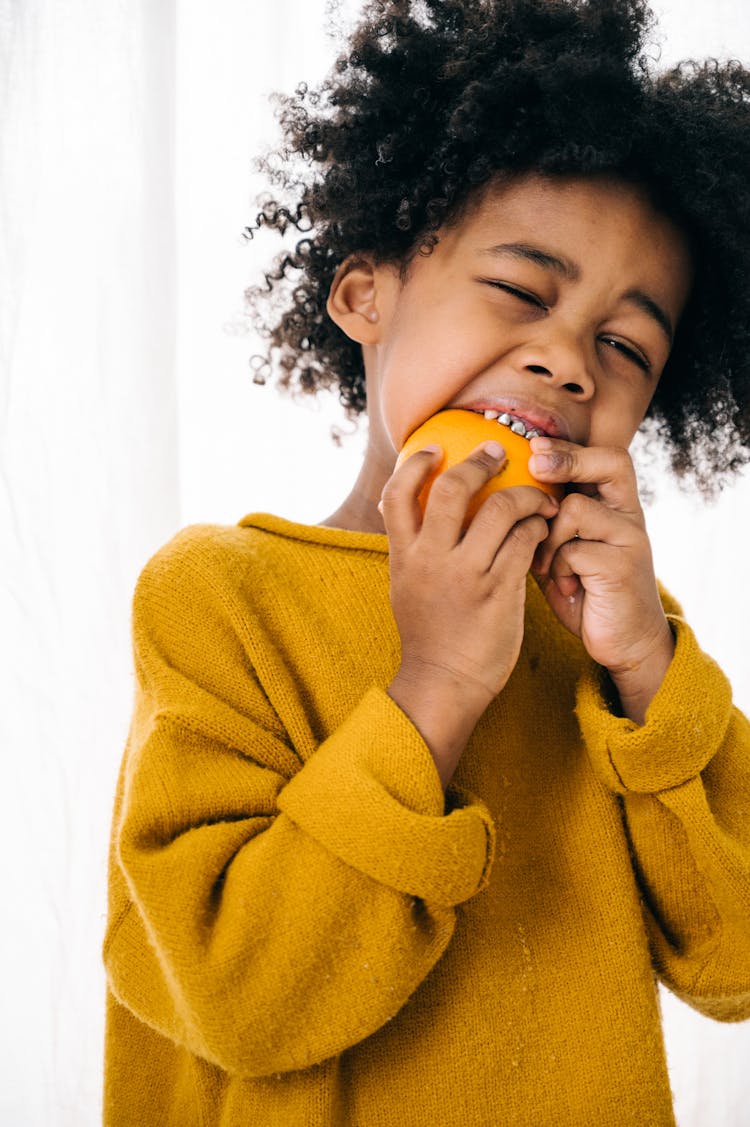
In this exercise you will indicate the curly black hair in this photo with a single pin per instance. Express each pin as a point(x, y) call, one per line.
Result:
point(432, 99)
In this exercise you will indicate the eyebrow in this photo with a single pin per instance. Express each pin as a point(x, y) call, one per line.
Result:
point(571, 272)
point(558, 265)
point(648, 306)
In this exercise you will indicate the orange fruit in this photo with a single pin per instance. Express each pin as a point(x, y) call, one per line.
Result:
point(458, 433)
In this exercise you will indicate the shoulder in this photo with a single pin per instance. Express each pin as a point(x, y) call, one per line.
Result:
point(210, 549)
point(192, 582)
point(193, 632)
point(210, 572)
point(245, 578)
point(259, 543)
point(207, 558)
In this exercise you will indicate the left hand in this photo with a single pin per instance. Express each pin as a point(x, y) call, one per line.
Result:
point(596, 568)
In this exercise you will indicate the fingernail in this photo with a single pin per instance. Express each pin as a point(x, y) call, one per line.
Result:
point(539, 463)
point(494, 449)
point(541, 443)
point(379, 506)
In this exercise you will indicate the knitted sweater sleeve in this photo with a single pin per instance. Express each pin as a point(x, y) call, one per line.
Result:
point(684, 778)
point(264, 913)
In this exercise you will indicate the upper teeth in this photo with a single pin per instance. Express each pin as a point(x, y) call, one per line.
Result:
point(518, 426)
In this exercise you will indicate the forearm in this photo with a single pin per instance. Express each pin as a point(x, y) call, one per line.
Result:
point(264, 951)
point(684, 778)
point(215, 922)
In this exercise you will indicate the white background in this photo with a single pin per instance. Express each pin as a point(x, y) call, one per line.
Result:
point(127, 411)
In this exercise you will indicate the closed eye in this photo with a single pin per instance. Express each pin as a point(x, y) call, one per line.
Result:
point(523, 295)
point(531, 299)
point(629, 353)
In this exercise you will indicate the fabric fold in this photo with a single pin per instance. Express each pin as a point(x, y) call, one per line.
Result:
point(685, 725)
point(371, 795)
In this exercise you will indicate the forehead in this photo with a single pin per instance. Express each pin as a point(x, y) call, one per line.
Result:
point(602, 226)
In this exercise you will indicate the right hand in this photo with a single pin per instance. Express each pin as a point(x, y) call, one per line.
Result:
point(458, 599)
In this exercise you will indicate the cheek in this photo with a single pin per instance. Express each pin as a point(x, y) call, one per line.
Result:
point(406, 402)
point(415, 385)
point(434, 350)
point(616, 422)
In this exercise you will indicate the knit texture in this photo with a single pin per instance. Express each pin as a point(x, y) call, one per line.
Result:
point(303, 931)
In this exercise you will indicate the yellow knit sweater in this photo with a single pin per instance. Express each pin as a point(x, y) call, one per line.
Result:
point(302, 932)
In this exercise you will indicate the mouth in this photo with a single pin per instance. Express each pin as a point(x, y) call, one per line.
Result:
point(515, 423)
point(522, 418)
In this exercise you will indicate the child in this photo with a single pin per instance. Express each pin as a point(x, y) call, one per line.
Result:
point(410, 820)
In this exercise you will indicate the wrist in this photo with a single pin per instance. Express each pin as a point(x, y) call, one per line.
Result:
point(637, 683)
point(443, 709)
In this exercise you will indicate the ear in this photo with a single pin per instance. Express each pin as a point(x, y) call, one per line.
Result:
point(355, 302)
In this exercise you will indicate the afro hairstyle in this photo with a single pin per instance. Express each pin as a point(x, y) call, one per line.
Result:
point(433, 99)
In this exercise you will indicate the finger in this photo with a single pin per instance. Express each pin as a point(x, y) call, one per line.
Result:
point(569, 586)
point(513, 558)
point(564, 576)
point(590, 560)
point(586, 518)
point(610, 468)
point(399, 502)
point(568, 605)
point(451, 492)
point(498, 515)
point(563, 573)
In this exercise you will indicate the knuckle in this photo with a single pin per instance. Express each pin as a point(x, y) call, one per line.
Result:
point(495, 512)
point(450, 486)
point(575, 505)
point(530, 531)
point(527, 500)
point(498, 502)
point(567, 553)
point(621, 460)
point(483, 461)
point(621, 455)
point(515, 504)
point(540, 528)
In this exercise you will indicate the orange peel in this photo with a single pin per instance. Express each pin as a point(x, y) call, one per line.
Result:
point(458, 433)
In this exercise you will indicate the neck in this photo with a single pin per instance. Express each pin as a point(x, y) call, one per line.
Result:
point(359, 511)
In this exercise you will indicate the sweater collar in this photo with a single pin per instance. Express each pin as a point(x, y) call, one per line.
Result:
point(316, 533)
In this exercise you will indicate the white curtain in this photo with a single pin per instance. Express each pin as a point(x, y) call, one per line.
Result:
point(90, 482)
point(127, 411)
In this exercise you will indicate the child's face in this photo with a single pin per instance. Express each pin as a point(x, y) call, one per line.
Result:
point(553, 299)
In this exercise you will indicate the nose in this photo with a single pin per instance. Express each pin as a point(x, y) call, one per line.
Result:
point(562, 362)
